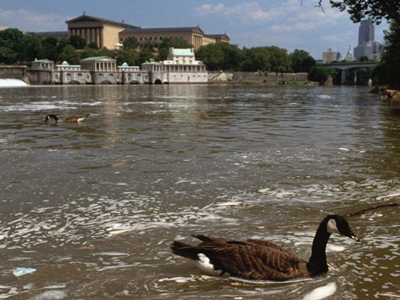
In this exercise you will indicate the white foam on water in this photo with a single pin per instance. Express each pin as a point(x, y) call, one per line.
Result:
point(12, 83)
point(322, 292)
point(270, 281)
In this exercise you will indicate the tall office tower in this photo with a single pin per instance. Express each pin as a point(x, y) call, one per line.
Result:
point(367, 46)
point(366, 32)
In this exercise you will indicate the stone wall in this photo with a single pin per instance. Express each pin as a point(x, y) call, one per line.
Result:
point(39, 76)
point(268, 76)
point(14, 72)
point(258, 76)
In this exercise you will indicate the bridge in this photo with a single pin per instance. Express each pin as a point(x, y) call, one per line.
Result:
point(350, 65)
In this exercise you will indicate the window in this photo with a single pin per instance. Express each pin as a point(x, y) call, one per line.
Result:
point(150, 38)
point(155, 38)
point(145, 38)
point(140, 38)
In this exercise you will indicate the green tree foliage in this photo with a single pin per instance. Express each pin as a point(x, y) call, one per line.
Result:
point(373, 9)
point(280, 60)
point(389, 66)
point(220, 56)
point(61, 45)
point(32, 48)
point(301, 61)
point(162, 54)
point(127, 56)
point(319, 74)
point(144, 55)
point(364, 58)
point(106, 52)
point(256, 59)
point(88, 52)
point(49, 49)
point(93, 45)
point(11, 46)
point(77, 42)
point(175, 42)
point(70, 55)
point(131, 43)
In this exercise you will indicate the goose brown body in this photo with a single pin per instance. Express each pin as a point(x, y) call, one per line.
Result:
point(262, 260)
point(72, 119)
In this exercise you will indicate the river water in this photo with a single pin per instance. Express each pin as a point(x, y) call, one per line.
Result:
point(93, 207)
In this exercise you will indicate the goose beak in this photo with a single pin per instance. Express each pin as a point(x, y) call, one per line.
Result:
point(354, 237)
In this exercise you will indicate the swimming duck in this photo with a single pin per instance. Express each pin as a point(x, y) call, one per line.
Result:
point(73, 119)
point(262, 260)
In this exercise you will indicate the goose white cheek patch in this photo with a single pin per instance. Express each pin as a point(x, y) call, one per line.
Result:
point(332, 227)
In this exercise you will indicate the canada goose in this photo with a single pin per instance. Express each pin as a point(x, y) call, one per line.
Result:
point(262, 260)
point(73, 119)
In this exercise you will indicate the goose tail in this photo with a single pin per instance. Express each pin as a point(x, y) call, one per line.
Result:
point(184, 250)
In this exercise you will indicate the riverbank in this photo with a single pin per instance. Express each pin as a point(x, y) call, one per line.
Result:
point(265, 82)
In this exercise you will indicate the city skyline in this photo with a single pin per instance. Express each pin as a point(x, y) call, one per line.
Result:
point(286, 24)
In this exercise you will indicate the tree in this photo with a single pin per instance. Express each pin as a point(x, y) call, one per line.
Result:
point(11, 44)
point(220, 56)
point(319, 74)
point(375, 10)
point(212, 56)
point(145, 55)
point(77, 42)
point(106, 52)
point(70, 55)
point(61, 45)
point(88, 52)
point(389, 66)
point(256, 59)
point(131, 43)
point(93, 45)
point(126, 56)
point(32, 48)
point(301, 61)
point(280, 61)
point(364, 58)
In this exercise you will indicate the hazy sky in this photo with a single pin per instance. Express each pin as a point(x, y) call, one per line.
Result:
point(283, 23)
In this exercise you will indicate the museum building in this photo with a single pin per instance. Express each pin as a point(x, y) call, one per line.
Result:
point(111, 34)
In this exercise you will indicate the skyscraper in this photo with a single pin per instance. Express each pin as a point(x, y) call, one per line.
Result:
point(366, 33)
point(367, 46)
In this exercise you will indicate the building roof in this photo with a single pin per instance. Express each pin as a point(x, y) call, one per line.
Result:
point(182, 52)
point(151, 62)
point(170, 29)
point(85, 18)
point(51, 33)
point(219, 36)
point(42, 60)
point(94, 58)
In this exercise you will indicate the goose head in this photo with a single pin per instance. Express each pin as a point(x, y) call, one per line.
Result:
point(50, 117)
point(338, 224)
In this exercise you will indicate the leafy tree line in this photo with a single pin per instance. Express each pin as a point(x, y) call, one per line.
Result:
point(223, 56)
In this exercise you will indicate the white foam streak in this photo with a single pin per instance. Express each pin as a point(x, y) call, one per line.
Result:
point(322, 292)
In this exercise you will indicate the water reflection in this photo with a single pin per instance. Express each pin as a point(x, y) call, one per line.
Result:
point(94, 206)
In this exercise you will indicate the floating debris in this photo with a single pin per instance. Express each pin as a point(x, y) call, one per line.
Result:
point(18, 272)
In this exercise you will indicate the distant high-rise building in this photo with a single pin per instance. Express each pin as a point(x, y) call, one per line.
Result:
point(330, 56)
point(367, 46)
point(366, 33)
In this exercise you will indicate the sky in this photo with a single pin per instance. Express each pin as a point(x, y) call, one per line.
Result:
point(284, 23)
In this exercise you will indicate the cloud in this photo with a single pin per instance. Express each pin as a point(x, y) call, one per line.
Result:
point(245, 11)
point(32, 21)
point(294, 27)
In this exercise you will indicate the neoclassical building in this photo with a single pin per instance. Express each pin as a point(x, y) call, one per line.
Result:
point(110, 34)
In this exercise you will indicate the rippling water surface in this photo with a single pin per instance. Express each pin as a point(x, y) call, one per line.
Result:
point(93, 207)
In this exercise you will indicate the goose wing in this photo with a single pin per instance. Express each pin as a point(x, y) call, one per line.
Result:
point(254, 262)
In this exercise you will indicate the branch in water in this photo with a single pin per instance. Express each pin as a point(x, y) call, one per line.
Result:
point(363, 211)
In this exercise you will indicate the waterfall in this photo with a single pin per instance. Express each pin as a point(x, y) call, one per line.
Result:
point(11, 83)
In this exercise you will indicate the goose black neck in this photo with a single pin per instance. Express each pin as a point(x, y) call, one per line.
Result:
point(318, 264)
